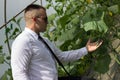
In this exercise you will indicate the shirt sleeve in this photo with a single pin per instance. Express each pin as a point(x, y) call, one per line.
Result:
point(69, 56)
point(20, 58)
point(72, 55)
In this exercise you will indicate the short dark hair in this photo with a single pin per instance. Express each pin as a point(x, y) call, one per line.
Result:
point(33, 6)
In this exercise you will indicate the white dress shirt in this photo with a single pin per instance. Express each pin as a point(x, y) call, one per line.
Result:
point(31, 60)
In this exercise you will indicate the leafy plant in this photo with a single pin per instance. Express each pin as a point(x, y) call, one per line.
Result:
point(74, 22)
point(13, 30)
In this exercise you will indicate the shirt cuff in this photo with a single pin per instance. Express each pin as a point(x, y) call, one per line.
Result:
point(85, 50)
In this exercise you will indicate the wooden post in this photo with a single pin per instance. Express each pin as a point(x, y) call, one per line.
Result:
point(41, 2)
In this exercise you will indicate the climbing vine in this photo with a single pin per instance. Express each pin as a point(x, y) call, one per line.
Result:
point(74, 22)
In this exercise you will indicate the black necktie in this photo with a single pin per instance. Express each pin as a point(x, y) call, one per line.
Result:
point(48, 47)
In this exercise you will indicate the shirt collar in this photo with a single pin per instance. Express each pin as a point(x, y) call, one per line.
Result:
point(31, 32)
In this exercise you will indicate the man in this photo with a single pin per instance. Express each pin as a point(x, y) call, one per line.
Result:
point(30, 59)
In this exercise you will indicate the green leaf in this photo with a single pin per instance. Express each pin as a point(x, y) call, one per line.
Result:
point(68, 34)
point(102, 27)
point(48, 6)
point(8, 30)
point(91, 15)
point(15, 31)
point(11, 26)
point(102, 63)
point(114, 9)
point(14, 20)
point(90, 26)
point(51, 17)
point(64, 20)
point(70, 11)
point(59, 0)
point(59, 8)
point(96, 25)
point(18, 21)
point(9, 72)
point(1, 59)
point(75, 20)
point(8, 57)
point(1, 47)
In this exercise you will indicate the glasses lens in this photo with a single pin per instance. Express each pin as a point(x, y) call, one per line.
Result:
point(46, 19)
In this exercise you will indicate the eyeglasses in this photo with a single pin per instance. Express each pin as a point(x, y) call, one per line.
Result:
point(45, 19)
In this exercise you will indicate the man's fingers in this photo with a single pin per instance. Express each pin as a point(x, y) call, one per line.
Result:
point(99, 43)
point(88, 41)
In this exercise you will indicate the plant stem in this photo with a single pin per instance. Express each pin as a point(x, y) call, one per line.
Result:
point(109, 76)
point(5, 20)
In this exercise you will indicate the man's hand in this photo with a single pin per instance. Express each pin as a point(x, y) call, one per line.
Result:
point(92, 46)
